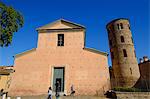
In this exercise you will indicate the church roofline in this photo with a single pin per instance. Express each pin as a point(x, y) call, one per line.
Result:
point(96, 51)
point(61, 30)
point(85, 48)
point(25, 52)
point(60, 20)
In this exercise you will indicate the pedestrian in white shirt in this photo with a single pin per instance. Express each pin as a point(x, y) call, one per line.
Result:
point(49, 93)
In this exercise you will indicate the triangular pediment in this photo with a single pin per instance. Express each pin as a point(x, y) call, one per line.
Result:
point(61, 24)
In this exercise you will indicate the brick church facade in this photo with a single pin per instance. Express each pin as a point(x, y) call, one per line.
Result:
point(60, 56)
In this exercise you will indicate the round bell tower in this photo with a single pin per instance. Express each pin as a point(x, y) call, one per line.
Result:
point(123, 57)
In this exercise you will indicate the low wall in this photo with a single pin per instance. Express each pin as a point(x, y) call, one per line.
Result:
point(133, 95)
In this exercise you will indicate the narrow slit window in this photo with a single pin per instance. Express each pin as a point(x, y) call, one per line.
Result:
point(110, 42)
point(122, 39)
point(131, 71)
point(124, 53)
point(60, 40)
point(112, 55)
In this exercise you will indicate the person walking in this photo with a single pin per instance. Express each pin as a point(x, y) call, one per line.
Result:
point(3, 94)
point(57, 89)
point(49, 93)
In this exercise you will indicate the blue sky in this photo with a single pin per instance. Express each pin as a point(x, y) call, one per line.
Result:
point(93, 14)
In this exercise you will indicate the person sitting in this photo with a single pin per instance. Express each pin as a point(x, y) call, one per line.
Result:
point(111, 94)
point(72, 90)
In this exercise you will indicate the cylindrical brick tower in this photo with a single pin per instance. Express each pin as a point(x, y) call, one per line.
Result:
point(123, 57)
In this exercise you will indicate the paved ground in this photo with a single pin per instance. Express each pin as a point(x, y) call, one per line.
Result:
point(120, 95)
point(62, 97)
point(85, 97)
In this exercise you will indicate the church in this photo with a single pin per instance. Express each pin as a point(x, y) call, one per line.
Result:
point(61, 56)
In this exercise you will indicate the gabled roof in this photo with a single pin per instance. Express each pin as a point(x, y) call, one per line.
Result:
point(25, 52)
point(61, 24)
point(96, 51)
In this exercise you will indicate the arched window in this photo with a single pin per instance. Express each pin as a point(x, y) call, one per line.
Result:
point(122, 39)
point(124, 53)
point(121, 25)
point(118, 26)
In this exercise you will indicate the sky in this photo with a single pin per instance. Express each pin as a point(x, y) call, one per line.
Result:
point(93, 14)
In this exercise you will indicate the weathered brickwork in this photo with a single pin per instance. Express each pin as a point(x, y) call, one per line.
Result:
point(144, 81)
point(124, 63)
point(86, 69)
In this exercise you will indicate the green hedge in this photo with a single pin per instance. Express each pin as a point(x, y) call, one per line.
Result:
point(123, 89)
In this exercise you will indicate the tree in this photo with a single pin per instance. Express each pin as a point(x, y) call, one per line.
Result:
point(10, 21)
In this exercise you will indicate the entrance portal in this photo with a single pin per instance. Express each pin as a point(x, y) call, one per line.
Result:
point(58, 77)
